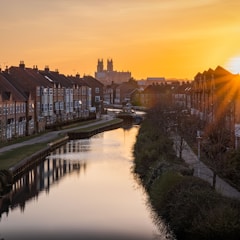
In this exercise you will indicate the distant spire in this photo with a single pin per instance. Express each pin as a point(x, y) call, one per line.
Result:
point(109, 65)
point(100, 66)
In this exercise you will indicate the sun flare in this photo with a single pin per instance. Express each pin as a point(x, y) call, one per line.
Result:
point(233, 65)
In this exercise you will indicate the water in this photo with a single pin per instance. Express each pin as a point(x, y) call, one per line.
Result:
point(84, 190)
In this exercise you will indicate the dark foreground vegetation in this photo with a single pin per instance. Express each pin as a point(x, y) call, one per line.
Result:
point(190, 206)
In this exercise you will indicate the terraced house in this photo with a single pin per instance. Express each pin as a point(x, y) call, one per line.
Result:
point(216, 98)
point(32, 99)
point(16, 112)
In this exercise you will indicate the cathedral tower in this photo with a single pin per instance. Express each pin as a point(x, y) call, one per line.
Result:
point(100, 65)
point(110, 65)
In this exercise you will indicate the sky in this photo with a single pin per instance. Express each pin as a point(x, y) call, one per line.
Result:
point(149, 38)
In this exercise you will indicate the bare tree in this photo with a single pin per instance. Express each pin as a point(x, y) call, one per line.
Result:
point(178, 118)
point(215, 145)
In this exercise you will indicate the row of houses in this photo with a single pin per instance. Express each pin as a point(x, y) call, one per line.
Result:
point(213, 96)
point(32, 100)
point(152, 94)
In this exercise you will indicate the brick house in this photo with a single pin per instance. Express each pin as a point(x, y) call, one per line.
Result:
point(125, 92)
point(63, 108)
point(157, 93)
point(215, 97)
point(96, 92)
point(16, 112)
point(40, 89)
point(110, 93)
point(81, 96)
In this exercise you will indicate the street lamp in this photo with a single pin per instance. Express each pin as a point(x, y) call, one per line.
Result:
point(199, 150)
point(79, 108)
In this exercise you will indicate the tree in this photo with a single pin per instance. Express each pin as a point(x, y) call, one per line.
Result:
point(178, 119)
point(215, 145)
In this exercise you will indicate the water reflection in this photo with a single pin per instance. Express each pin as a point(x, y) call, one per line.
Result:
point(90, 193)
point(38, 179)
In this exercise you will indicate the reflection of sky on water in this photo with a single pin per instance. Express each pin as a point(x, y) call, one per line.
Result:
point(101, 199)
point(93, 145)
point(91, 148)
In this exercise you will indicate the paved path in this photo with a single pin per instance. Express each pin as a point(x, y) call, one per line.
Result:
point(48, 137)
point(203, 172)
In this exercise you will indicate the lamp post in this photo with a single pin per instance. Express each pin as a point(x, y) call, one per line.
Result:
point(79, 109)
point(199, 150)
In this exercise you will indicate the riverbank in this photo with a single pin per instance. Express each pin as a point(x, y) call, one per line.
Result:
point(188, 204)
point(19, 157)
point(90, 131)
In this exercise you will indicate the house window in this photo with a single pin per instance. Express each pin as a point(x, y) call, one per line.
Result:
point(38, 91)
point(61, 106)
point(97, 98)
point(96, 90)
point(38, 106)
point(57, 106)
point(83, 90)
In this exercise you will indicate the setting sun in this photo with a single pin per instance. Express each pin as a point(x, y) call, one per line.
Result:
point(233, 65)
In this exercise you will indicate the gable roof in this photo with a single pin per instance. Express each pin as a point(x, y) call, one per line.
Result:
point(54, 77)
point(8, 90)
point(158, 88)
point(27, 79)
point(77, 80)
point(92, 82)
point(220, 71)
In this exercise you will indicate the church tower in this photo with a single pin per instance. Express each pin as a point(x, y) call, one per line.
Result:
point(100, 65)
point(110, 65)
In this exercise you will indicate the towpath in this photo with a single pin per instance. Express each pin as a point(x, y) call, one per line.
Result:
point(205, 173)
point(48, 137)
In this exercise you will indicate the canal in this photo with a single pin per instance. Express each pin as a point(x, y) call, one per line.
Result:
point(83, 190)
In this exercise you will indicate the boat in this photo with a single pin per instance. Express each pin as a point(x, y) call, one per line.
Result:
point(128, 113)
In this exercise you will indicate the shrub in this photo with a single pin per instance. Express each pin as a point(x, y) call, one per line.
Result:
point(193, 210)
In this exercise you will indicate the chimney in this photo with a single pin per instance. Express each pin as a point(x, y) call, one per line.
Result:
point(22, 65)
point(46, 68)
point(35, 67)
point(6, 69)
point(77, 75)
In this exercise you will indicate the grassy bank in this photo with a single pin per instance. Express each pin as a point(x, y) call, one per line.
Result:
point(97, 126)
point(11, 157)
point(25, 138)
point(189, 205)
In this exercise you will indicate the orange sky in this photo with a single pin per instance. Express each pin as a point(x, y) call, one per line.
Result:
point(150, 38)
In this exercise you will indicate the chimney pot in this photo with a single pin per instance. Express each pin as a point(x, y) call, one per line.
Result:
point(22, 65)
point(46, 68)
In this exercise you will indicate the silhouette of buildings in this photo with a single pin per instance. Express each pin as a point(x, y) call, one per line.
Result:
point(109, 75)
